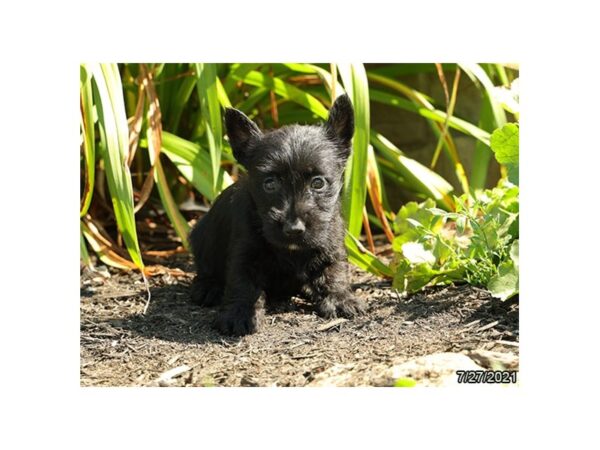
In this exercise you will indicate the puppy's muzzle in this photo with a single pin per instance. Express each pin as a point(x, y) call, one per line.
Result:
point(294, 228)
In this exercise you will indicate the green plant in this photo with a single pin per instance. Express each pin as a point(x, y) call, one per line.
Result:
point(505, 145)
point(113, 146)
point(159, 125)
point(477, 243)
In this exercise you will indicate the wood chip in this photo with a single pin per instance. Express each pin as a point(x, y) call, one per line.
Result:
point(248, 381)
point(310, 355)
point(297, 345)
point(470, 324)
point(509, 343)
point(173, 360)
point(102, 334)
point(173, 373)
point(131, 347)
point(330, 325)
point(123, 294)
point(488, 326)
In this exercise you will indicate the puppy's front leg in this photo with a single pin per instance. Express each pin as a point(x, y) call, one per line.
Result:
point(331, 291)
point(243, 300)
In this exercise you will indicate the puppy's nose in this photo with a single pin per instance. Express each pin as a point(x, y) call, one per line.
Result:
point(295, 228)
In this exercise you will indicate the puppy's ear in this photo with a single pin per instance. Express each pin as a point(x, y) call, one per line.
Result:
point(340, 125)
point(240, 131)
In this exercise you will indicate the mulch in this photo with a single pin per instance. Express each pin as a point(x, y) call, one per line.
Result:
point(122, 346)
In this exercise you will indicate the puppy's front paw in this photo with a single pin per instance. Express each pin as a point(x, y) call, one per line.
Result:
point(341, 306)
point(204, 294)
point(239, 320)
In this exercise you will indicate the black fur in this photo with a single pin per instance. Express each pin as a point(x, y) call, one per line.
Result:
point(278, 232)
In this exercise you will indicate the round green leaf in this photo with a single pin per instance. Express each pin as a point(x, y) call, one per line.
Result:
point(505, 144)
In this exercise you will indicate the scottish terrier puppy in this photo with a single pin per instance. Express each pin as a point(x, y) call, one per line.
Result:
point(278, 232)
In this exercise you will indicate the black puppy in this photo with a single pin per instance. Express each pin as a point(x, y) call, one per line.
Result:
point(278, 232)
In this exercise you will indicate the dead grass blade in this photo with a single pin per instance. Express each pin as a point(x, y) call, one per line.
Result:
point(104, 248)
point(164, 253)
point(135, 125)
point(375, 190)
point(159, 269)
point(111, 254)
point(333, 70)
point(154, 125)
point(450, 104)
point(442, 77)
point(367, 226)
point(274, 111)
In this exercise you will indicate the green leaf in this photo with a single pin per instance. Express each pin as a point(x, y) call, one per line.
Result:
point(211, 115)
point(89, 145)
point(115, 135)
point(179, 223)
point(250, 102)
point(418, 177)
point(505, 144)
point(327, 78)
point(492, 116)
point(414, 95)
point(506, 283)
point(364, 259)
point(434, 114)
point(194, 162)
point(480, 77)
point(514, 253)
point(413, 214)
point(284, 90)
point(482, 154)
point(415, 278)
point(405, 382)
point(237, 72)
point(302, 68)
point(223, 97)
point(513, 173)
point(178, 101)
point(415, 253)
point(355, 182)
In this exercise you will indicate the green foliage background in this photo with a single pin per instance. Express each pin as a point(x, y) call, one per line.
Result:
point(154, 133)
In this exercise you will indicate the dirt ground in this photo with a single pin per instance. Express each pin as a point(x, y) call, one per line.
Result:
point(121, 346)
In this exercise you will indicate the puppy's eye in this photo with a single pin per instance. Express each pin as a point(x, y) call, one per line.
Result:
point(317, 183)
point(271, 184)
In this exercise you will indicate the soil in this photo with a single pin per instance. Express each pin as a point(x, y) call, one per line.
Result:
point(122, 346)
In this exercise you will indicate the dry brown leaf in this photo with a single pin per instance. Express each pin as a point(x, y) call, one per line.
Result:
point(158, 269)
point(374, 189)
point(155, 129)
point(104, 247)
point(135, 125)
